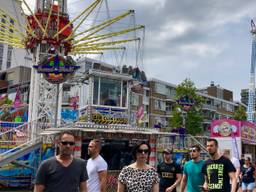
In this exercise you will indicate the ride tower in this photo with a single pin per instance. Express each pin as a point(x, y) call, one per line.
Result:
point(251, 93)
point(49, 18)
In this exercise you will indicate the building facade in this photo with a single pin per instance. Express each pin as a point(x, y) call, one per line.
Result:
point(11, 18)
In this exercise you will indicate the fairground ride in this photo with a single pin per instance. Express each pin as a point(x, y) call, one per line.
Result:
point(50, 30)
point(50, 27)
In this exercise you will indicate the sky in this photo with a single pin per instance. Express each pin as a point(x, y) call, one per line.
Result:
point(204, 40)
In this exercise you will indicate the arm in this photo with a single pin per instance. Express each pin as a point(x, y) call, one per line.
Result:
point(205, 186)
point(237, 173)
point(177, 182)
point(39, 188)
point(120, 187)
point(183, 183)
point(83, 186)
point(232, 176)
point(103, 180)
point(155, 187)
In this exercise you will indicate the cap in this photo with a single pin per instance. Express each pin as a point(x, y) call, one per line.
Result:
point(167, 151)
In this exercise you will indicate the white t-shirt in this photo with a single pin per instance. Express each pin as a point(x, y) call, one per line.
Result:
point(93, 167)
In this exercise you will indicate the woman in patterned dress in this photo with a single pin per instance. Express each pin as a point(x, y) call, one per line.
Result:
point(139, 176)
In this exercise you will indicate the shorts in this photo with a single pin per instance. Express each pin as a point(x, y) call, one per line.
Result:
point(247, 186)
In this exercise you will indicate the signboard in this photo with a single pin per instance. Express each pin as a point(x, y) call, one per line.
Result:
point(248, 132)
point(105, 115)
point(225, 128)
point(56, 69)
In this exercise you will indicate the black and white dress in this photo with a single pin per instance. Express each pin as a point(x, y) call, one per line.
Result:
point(138, 180)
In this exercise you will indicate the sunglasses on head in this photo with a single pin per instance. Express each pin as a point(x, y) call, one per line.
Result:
point(142, 151)
point(71, 143)
point(193, 150)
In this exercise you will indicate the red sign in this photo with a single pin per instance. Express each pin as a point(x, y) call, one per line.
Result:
point(225, 128)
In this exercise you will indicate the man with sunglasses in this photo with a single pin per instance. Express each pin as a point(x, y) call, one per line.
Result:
point(169, 173)
point(193, 177)
point(64, 172)
point(96, 168)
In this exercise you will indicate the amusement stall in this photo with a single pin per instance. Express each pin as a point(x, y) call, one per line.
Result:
point(238, 137)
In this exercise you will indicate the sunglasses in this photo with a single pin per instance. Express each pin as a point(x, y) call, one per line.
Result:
point(193, 150)
point(142, 151)
point(71, 143)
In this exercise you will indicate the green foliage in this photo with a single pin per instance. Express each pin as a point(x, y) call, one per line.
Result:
point(176, 120)
point(8, 101)
point(194, 116)
point(240, 114)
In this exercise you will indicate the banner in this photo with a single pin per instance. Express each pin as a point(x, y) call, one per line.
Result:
point(248, 132)
point(225, 128)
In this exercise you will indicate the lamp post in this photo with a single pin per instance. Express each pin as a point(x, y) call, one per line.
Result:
point(186, 102)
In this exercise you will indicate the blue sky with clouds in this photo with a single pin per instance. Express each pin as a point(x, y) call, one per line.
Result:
point(205, 40)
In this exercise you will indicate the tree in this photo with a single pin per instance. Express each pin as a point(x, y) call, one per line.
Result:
point(240, 114)
point(193, 116)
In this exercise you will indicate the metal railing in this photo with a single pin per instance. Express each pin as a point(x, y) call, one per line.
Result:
point(18, 141)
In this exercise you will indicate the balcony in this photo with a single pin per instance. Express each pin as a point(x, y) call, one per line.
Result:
point(209, 107)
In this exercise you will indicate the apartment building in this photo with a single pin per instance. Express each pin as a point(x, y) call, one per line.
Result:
point(9, 56)
point(162, 100)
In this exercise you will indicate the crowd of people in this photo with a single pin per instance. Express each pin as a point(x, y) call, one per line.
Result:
point(219, 173)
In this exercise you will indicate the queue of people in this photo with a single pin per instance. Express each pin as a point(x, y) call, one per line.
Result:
point(219, 173)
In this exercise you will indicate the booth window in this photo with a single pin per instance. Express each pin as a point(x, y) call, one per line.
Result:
point(109, 92)
point(95, 90)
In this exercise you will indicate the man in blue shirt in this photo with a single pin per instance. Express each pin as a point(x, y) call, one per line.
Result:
point(193, 177)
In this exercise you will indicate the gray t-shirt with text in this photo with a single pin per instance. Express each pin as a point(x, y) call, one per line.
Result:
point(57, 178)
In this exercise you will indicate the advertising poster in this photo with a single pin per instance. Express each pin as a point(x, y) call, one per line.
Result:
point(225, 128)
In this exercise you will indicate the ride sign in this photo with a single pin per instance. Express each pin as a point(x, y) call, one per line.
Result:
point(56, 69)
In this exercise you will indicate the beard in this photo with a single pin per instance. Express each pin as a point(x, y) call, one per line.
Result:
point(66, 151)
point(212, 153)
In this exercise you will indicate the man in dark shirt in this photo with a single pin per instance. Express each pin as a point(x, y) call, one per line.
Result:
point(218, 170)
point(62, 173)
point(169, 173)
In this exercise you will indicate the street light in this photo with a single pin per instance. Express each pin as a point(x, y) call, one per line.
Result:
point(186, 102)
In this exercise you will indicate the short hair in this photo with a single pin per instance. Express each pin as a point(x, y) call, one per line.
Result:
point(137, 146)
point(214, 140)
point(248, 158)
point(66, 132)
point(198, 148)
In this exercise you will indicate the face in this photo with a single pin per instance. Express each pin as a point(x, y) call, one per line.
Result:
point(142, 153)
point(67, 144)
point(226, 154)
point(92, 148)
point(194, 153)
point(247, 161)
point(211, 148)
point(167, 156)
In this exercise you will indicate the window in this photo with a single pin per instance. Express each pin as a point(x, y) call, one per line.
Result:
point(171, 92)
point(1, 55)
point(160, 88)
point(9, 57)
point(160, 105)
point(135, 99)
point(124, 94)
point(12, 21)
point(96, 90)
point(108, 92)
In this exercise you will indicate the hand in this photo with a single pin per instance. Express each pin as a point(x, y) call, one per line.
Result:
point(205, 188)
point(169, 189)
